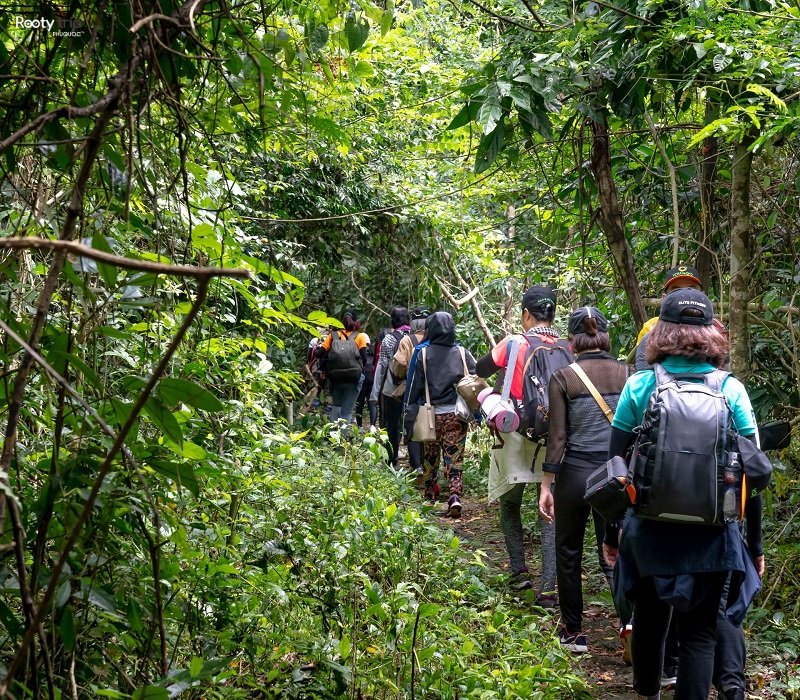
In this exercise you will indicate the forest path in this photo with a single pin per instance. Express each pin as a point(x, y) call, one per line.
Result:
point(608, 677)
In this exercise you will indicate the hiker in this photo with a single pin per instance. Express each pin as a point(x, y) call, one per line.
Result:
point(399, 367)
point(438, 367)
point(680, 277)
point(519, 461)
point(583, 397)
point(366, 390)
point(386, 386)
point(343, 355)
point(677, 567)
point(316, 394)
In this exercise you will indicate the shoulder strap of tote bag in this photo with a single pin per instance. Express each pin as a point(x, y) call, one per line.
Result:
point(604, 407)
point(463, 360)
point(425, 368)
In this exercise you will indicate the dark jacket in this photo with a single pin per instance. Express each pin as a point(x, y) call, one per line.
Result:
point(443, 359)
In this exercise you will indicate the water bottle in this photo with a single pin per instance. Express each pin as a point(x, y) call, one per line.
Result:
point(731, 478)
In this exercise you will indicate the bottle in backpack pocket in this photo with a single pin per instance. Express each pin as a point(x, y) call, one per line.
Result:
point(500, 414)
point(732, 478)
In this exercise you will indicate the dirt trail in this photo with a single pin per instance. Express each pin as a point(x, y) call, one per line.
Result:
point(603, 668)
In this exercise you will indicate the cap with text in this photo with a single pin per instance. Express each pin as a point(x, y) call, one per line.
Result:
point(679, 273)
point(689, 307)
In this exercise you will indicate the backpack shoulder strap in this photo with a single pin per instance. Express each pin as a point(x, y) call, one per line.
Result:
point(534, 343)
point(589, 384)
point(714, 380)
point(511, 366)
point(662, 376)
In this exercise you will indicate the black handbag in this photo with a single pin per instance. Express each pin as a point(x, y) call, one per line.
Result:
point(610, 490)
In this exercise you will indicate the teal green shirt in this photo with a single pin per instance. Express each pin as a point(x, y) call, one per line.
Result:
point(639, 387)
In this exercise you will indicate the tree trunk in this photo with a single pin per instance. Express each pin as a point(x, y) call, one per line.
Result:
point(611, 220)
point(742, 255)
point(708, 169)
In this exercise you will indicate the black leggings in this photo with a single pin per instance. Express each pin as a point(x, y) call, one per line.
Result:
point(362, 399)
point(697, 636)
point(393, 415)
point(572, 515)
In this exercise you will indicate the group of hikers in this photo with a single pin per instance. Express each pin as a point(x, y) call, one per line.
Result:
point(682, 572)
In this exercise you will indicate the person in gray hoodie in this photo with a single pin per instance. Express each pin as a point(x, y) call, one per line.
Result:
point(385, 383)
point(441, 366)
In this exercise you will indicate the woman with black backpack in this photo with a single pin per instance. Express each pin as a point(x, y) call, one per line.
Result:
point(676, 549)
point(343, 355)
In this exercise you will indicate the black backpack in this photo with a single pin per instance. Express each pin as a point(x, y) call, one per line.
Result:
point(344, 359)
point(543, 357)
point(369, 367)
point(685, 464)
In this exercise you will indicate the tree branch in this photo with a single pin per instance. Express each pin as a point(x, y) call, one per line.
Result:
point(458, 303)
point(476, 309)
point(119, 261)
point(673, 182)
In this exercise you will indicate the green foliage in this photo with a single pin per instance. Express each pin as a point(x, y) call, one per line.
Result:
point(345, 154)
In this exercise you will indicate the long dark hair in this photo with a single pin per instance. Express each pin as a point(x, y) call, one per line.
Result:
point(350, 324)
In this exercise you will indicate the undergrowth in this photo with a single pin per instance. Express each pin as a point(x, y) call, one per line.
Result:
point(350, 589)
point(300, 567)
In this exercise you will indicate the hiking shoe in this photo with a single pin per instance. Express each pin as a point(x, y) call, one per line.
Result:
point(548, 601)
point(453, 507)
point(576, 643)
point(732, 694)
point(520, 581)
point(625, 633)
point(669, 676)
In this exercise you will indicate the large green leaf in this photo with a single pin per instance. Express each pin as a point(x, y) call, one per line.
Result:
point(88, 373)
point(468, 113)
point(356, 31)
point(181, 473)
point(67, 628)
point(163, 419)
point(319, 37)
point(489, 148)
point(175, 391)
point(9, 620)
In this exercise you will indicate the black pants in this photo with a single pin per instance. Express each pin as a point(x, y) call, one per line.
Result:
point(414, 455)
point(572, 515)
point(363, 398)
point(730, 652)
point(697, 636)
point(392, 418)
